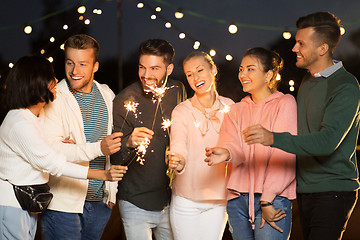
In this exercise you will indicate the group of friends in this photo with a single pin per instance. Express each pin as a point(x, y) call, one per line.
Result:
point(242, 163)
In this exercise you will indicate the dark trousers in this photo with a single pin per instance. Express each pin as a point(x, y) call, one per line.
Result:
point(325, 215)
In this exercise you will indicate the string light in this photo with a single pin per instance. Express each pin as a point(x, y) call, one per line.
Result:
point(99, 12)
point(153, 17)
point(65, 27)
point(42, 51)
point(229, 57)
point(52, 39)
point(81, 18)
point(87, 21)
point(196, 45)
point(168, 25)
point(50, 59)
point(291, 82)
point(11, 65)
point(292, 89)
point(342, 31)
point(62, 46)
point(140, 5)
point(233, 28)
point(182, 35)
point(286, 34)
point(81, 9)
point(28, 29)
point(179, 14)
point(212, 52)
point(158, 9)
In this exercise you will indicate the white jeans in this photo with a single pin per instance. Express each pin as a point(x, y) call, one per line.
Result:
point(197, 220)
point(139, 224)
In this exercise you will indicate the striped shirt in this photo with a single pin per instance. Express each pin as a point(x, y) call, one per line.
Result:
point(95, 117)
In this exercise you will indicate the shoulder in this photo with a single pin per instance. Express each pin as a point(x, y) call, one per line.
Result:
point(104, 87)
point(133, 89)
point(184, 106)
point(225, 100)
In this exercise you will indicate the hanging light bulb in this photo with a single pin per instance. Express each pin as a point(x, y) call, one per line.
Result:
point(168, 25)
point(182, 35)
point(140, 5)
point(291, 82)
point(87, 21)
point(229, 57)
point(233, 28)
point(42, 51)
point(11, 65)
point(292, 88)
point(342, 30)
point(81, 9)
point(65, 27)
point(196, 45)
point(179, 14)
point(153, 17)
point(212, 52)
point(286, 34)
point(50, 59)
point(28, 29)
point(158, 9)
point(52, 39)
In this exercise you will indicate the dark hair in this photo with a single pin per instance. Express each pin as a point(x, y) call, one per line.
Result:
point(269, 60)
point(28, 82)
point(83, 41)
point(326, 27)
point(158, 47)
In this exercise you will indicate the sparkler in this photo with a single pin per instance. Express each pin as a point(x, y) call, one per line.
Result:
point(141, 151)
point(130, 106)
point(226, 109)
point(166, 124)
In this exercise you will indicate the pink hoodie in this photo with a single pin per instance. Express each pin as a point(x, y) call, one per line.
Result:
point(257, 168)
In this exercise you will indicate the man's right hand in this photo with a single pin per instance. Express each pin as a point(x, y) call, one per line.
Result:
point(111, 143)
point(138, 136)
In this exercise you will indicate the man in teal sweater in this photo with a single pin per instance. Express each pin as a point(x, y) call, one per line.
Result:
point(328, 126)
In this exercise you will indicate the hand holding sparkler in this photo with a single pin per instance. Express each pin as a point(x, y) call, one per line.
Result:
point(176, 161)
point(111, 143)
point(216, 155)
point(138, 136)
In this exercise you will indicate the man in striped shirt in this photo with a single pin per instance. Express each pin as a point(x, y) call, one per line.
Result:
point(79, 124)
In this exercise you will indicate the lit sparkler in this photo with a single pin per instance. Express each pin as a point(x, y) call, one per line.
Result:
point(130, 106)
point(141, 151)
point(226, 109)
point(166, 124)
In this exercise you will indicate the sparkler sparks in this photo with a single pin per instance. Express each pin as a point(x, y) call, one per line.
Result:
point(130, 106)
point(226, 109)
point(197, 124)
point(141, 151)
point(166, 124)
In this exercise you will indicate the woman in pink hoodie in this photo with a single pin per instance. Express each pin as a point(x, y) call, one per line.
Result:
point(262, 181)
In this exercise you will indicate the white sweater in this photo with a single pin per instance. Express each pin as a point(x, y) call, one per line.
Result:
point(63, 118)
point(26, 158)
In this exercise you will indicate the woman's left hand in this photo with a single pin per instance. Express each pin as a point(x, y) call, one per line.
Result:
point(270, 215)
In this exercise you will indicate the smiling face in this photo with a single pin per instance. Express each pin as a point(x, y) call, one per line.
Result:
point(253, 78)
point(200, 75)
point(153, 71)
point(306, 49)
point(80, 67)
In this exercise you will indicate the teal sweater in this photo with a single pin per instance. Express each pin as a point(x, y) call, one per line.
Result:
point(328, 127)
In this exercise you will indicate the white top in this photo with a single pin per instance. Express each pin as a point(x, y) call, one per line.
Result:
point(26, 158)
point(62, 118)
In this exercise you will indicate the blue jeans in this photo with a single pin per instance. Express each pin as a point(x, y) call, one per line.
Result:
point(75, 226)
point(139, 223)
point(240, 226)
point(16, 223)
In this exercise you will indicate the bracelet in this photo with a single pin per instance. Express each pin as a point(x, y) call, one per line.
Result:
point(265, 204)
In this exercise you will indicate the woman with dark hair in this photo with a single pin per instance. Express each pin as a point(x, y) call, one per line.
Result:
point(262, 180)
point(198, 202)
point(26, 158)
